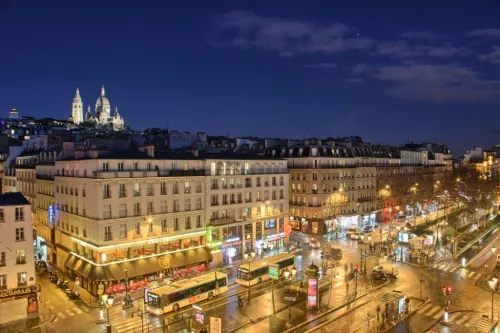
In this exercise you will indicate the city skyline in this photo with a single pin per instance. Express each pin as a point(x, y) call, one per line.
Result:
point(239, 69)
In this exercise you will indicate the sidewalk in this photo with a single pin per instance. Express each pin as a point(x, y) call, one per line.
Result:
point(29, 324)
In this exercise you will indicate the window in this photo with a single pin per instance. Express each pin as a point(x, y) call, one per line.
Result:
point(198, 221)
point(214, 200)
point(137, 208)
point(137, 189)
point(19, 234)
point(22, 279)
point(188, 223)
point(123, 230)
point(19, 214)
point(123, 210)
point(136, 166)
point(198, 187)
point(149, 166)
point(176, 224)
point(1, 216)
point(107, 191)
point(198, 203)
point(123, 192)
point(84, 232)
point(107, 232)
point(164, 225)
point(151, 190)
point(3, 281)
point(187, 204)
point(176, 188)
point(187, 187)
point(107, 212)
point(176, 206)
point(151, 228)
point(120, 166)
point(138, 228)
point(150, 208)
point(105, 166)
point(83, 193)
point(163, 206)
point(3, 260)
point(282, 194)
point(20, 257)
point(163, 188)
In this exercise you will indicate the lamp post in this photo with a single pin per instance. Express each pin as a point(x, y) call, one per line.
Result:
point(249, 256)
point(108, 302)
point(493, 283)
point(289, 275)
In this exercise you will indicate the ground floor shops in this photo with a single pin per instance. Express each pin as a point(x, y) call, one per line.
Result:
point(19, 304)
point(230, 242)
point(138, 273)
point(331, 224)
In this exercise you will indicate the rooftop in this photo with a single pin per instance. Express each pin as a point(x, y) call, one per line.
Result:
point(13, 199)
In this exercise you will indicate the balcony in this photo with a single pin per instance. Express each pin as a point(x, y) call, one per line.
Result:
point(20, 261)
point(45, 177)
point(221, 221)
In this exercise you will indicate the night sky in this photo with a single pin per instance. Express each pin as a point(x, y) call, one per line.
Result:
point(388, 71)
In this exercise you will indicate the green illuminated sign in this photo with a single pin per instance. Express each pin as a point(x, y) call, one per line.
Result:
point(274, 272)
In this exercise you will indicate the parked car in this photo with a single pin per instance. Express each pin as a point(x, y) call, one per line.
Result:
point(355, 236)
point(314, 244)
point(351, 231)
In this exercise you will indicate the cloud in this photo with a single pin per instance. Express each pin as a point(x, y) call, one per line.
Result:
point(493, 56)
point(361, 69)
point(421, 34)
point(483, 33)
point(437, 83)
point(246, 30)
point(398, 49)
point(321, 65)
point(443, 51)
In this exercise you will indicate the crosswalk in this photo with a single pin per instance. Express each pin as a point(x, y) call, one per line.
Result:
point(125, 322)
point(70, 312)
point(457, 269)
point(436, 312)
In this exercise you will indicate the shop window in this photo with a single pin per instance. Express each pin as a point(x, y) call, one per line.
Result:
point(270, 224)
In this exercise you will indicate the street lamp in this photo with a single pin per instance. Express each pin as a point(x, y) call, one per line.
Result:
point(289, 275)
point(493, 283)
point(108, 302)
point(249, 256)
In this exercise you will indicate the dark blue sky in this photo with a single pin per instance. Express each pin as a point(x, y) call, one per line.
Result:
point(388, 71)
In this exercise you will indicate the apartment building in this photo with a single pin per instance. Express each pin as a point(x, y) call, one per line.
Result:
point(18, 292)
point(141, 211)
point(247, 204)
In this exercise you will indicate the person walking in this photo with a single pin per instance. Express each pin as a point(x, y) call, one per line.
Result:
point(378, 312)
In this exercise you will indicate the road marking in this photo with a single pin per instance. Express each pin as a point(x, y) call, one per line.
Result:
point(425, 308)
point(454, 269)
point(471, 274)
point(433, 310)
point(461, 320)
point(441, 266)
point(68, 311)
point(77, 310)
point(60, 314)
point(438, 314)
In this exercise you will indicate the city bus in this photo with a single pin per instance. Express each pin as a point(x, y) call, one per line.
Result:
point(259, 269)
point(186, 292)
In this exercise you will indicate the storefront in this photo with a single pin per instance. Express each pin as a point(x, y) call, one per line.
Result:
point(140, 270)
point(299, 224)
point(232, 249)
point(346, 222)
point(368, 219)
point(274, 241)
point(42, 250)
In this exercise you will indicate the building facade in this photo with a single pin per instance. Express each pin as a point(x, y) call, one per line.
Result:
point(247, 204)
point(18, 292)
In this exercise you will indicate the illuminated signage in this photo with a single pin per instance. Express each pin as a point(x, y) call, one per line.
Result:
point(312, 293)
point(51, 214)
point(214, 244)
point(24, 291)
point(232, 239)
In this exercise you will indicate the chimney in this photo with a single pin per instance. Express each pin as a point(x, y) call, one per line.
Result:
point(149, 149)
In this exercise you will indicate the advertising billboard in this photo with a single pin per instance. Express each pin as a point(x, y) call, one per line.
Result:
point(312, 293)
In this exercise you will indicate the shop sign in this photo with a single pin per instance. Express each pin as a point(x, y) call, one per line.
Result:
point(164, 262)
point(232, 239)
point(215, 244)
point(199, 317)
point(274, 272)
point(24, 291)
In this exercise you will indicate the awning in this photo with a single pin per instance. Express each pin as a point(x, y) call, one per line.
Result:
point(137, 267)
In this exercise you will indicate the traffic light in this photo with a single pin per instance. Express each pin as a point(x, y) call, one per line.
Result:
point(356, 268)
point(448, 290)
